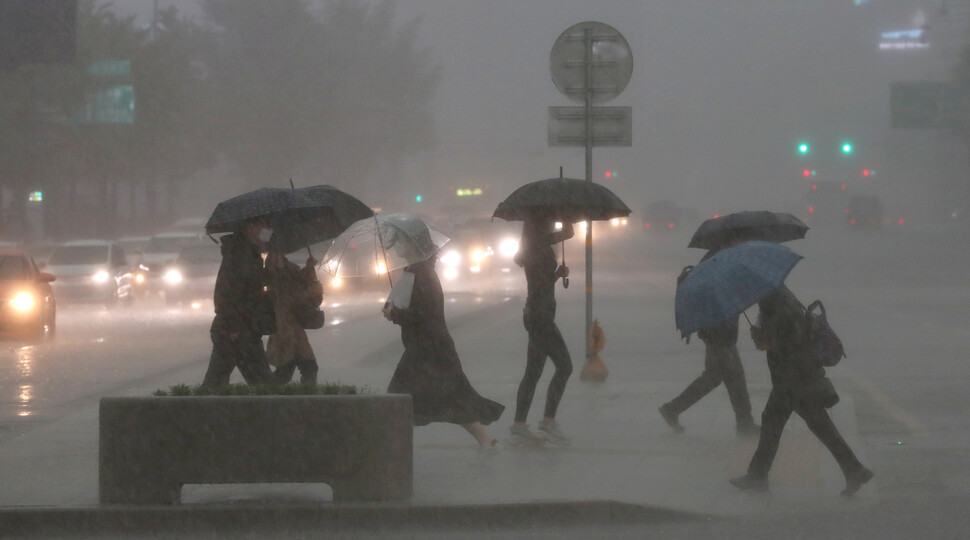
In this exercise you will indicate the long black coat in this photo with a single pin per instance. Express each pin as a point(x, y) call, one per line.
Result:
point(430, 370)
point(241, 303)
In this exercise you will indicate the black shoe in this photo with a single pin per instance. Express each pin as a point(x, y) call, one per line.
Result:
point(749, 429)
point(671, 419)
point(748, 483)
point(854, 481)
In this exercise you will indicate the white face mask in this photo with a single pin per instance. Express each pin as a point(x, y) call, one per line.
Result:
point(265, 234)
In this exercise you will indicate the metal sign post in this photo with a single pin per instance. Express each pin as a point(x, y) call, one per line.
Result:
point(591, 62)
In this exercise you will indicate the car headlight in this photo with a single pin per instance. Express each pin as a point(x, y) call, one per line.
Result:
point(336, 282)
point(22, 301)
point(477, 256)
point(380, 268)
point(508, 247)
point(100, 276)
point(451, 272)
point(172, 276)
point(451, 258)
point(139, 277)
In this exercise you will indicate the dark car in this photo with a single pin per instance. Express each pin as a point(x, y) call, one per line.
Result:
point(91, 271)
point(192, 277)
point(28, 306)
point(827, 203)
point(865, 212)
point(667, 216)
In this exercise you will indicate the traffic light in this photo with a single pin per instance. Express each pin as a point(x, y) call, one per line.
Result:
point(804, 148)
point(417, 198)
point(847, 148)
point(610, 174)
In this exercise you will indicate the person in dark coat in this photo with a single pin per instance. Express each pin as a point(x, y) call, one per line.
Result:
point(430, 370)
point(722, 363)
point(289, 348)
point(781, 331)
point(244, 311)
point(537, 257)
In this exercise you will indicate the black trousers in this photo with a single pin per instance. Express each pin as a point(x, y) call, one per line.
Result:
point(777, 412)
point(308, 371)
point(245, 352)
point(721, 364)
point(545, 341)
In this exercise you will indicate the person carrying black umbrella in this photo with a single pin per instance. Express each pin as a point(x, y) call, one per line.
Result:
point(722, 363)
point(244, 309)
point(542, 270)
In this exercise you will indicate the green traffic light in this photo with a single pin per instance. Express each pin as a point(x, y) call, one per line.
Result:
point(846, 148)
point(803, 148)
point(417, 198)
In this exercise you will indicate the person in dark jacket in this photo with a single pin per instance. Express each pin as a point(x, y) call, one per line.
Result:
point(430, 369)
point(722, 363)
point(289, 348)
point(244, 311)
point(537, 257)
point(781, 331)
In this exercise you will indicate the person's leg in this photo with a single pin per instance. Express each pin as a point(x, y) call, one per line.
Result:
point(534, 362)
point(818, 420)
point(708, 380)
point(221, 361)
point(778, 410)
point(481, 435)
point(555, 347)
point(308, 369)
point(731, 372)
point(284, 374)
point(252, 361)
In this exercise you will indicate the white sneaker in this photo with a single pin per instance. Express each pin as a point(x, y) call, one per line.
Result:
point(521, 436)
point(552, 434)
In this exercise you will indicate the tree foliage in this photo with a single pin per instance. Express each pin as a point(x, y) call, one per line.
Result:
point(336, 96)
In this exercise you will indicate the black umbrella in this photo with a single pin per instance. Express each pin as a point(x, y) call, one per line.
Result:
point(230, 214)
point(716, 233)
point(329, 213)
point(568, 200)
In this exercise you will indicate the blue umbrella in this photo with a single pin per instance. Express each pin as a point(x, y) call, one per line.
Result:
point(729, 282)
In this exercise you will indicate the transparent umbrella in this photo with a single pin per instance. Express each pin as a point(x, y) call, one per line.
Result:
point(368, 246)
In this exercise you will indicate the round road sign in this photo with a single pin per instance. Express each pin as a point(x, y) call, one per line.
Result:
point(591, 56)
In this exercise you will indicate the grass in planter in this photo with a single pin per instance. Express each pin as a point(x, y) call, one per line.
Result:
point(242, 389)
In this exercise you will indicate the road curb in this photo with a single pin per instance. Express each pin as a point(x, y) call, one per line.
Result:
point(277, 518)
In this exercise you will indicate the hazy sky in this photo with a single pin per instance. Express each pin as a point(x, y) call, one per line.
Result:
point(721, 90)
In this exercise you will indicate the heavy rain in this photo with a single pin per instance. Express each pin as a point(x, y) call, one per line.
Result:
point(125, 126)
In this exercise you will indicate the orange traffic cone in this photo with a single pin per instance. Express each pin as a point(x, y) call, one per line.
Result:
point(594, 370)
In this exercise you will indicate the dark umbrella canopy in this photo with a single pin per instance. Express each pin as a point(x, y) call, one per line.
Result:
point(330, 212)
point(719, 232)
point(729, 282)
point(569, 200)
point(232, 213)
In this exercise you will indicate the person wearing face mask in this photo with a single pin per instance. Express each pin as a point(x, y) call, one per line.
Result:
point(430, 370)
point(244, 309)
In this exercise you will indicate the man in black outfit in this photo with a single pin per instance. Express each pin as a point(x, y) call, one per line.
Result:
point(244, 310)
point(722, 363)
point(782, 332)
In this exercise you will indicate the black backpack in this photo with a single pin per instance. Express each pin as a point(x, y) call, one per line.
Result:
point(823, 343)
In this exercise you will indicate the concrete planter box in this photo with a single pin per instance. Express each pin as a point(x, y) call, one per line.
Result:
point(151, 446)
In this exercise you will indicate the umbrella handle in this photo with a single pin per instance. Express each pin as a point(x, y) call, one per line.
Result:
point(565, 280)
point(746, 318)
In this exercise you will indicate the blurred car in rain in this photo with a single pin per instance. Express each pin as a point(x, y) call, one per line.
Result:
point(827, 203)
point(91, 271)
point(133, 247)
point(191, 278)
point(478, 250)
point(864, 212)
point(668, 216)
point(27, 305)
point(161, 251)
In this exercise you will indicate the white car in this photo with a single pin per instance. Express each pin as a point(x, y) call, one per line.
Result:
point(161, 251)
point(91, 271)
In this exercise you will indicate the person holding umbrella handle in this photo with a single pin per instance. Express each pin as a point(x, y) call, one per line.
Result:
point(537, 257)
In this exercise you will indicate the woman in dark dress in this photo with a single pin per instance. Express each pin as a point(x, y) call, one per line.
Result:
point(430, 370)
